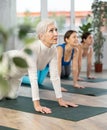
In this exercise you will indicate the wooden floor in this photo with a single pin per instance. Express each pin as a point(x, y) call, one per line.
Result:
point(26, 121)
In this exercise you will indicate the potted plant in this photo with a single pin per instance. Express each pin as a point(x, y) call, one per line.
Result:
point(99, 10)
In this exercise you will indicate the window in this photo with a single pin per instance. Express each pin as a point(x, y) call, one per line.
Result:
point(28, 11)
point(82, 12)
point(60, 10)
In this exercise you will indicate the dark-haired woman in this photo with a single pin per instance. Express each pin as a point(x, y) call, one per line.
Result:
point(86, 52)
point(68, 57)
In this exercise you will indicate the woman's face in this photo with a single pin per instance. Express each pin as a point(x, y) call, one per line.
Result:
point(73, 39)
point(50, 37)
point(89, 40)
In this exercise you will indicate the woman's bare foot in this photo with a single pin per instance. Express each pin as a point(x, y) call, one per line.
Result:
point(91, 77)
point(78, 86)
point(63, 89)
point(80, 79)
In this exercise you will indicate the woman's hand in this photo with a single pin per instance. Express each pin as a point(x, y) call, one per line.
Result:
point(66, 103)
point(40, 108)
point(43, 109)
point(63, 89)
point(78, 86)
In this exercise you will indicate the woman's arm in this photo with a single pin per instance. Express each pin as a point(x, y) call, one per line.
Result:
point(89, 62)
point(79, 59)
point(75, 65)
point(75, 68)
point(60, 54)
point(55, 78)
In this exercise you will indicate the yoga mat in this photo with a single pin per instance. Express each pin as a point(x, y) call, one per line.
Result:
point(90, 91)
point(74, 114)
point(25, 80)
point(6, 128)
point(88, 80)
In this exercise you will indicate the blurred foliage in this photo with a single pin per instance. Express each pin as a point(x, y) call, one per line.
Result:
point(27, 28)
point(28, 51)
point(1, 57)
point(24, 33)
point(4, 85)
point(28, 19)
point(20, 62)
point(3, 39)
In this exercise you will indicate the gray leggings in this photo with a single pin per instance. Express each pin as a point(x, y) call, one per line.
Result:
point(66, 71)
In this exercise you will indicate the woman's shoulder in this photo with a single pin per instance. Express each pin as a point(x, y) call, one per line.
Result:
point(61, 45)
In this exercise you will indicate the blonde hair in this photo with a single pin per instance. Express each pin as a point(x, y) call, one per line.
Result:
point(43, 25)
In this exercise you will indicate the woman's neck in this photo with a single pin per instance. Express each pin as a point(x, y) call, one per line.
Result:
point(69, 47)
point(47, 44)
point(84, 45)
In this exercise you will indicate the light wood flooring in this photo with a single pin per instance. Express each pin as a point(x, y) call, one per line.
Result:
point(26, 121)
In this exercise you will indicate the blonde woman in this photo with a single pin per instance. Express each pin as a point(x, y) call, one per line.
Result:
point(43, 53)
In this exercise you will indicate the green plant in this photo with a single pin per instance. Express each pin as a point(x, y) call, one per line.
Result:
point(99, 10)
point(3, 39)
point(5, 68)
point(85, 28)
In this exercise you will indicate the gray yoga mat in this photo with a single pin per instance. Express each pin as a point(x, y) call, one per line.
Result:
point(74, 114)
point(90, 91)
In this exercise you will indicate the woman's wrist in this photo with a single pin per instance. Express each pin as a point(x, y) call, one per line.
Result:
point(36, 103)
point(59, 100)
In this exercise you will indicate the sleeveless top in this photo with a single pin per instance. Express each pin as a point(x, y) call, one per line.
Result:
point(64, 63)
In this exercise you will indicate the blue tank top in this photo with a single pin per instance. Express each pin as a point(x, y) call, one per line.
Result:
point(64, 63)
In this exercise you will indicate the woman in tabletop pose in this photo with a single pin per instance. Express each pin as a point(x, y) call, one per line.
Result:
point(43, 53)
point(68, 57)
point(86, 52)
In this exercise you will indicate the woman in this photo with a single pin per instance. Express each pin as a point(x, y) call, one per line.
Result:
point(86, 52)
point(43, 53)
point(68, 53)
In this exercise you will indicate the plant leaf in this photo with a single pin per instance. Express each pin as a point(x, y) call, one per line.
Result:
point(28, 51)
point(1, 57)
point(20, 62)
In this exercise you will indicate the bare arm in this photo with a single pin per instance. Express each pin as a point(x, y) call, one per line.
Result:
point(60, 53)
point(89, 62)
point(75, 68)
point(79, 59)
